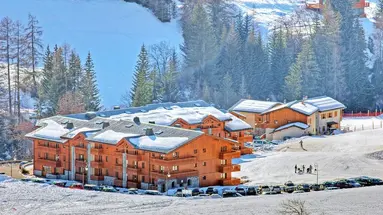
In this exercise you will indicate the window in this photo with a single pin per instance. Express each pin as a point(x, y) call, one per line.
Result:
point(143, 165)
point(98, 172)
point(143, 178)
point(106, 172)
point(275, 121)
point(309, 121)
point(330, 115)
point(135, 164)
point(64, 157)
point(204, 150)
point(195, 165)
point(195, 151)
point(46, 144)
point(153, 167)
point(152, 180)
point(81, 157)
point(335, 113)
point(175, 154)
point(81, 144)
point(134, 177)
point(153, 155)
point(259, 119)
point(223, 162)
point(223, 175)
point(162, 156)
point(99, 158)
point(81, 169)
point(56, 145)
point(116, 175)
point(204, 163)
point(175, 168)
point(204, 178)
point(116, 160)
point(223, 148)
point(106, 158)
point(162, 168)
point(323, 116)
point(46, 155)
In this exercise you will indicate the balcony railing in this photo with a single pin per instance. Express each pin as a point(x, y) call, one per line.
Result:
point(80, 176)
point(96, 150)
point(133, 169)
point(97, 164)
point(175, 174)
point(97, 177)
point(51, 162)
point(230, 168)
point(80, 163)
point(229, 155)
point(230, 182)
point(177, 160)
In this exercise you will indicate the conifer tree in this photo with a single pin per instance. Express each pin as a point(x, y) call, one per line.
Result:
point(74, 72)
point(89, 87)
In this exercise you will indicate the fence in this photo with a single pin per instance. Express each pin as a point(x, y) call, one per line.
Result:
point(360, 114)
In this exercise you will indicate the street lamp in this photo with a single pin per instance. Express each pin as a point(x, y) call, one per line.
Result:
point(317, 170)
point(167, 188)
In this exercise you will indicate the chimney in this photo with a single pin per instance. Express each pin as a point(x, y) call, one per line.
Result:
point(105, 124)
point(149, 132)
point(69, 125)
point(152, 122)
point(90, 115)
point(116, 107)
point(136, 120)
point(304, 99)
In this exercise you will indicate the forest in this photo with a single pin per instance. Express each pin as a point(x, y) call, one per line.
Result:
point(225, 58)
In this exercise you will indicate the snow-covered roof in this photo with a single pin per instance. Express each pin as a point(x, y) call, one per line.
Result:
point(84, 130)
point(110, 136)
point(294, 124)
point(279, 107)
point(158, 144)
point(304, 107)
point(50, 130)
point(325, 103)
point(253, 106)
point(236, 124)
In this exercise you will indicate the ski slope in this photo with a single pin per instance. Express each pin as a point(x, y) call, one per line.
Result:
point(112, 30)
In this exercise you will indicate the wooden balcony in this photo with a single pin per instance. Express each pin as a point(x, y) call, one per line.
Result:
point(96, 151)
point(133, 169)
point(97, 177)
point(81, 149)
point(118, 167)
point(51, 162)
point(80, 163)
point(97, 164)
point(175, 174)
point(168, 162)
point(246, 151)
point(132, 184)
point(230, 182)
point(229, 155)
point(80, 176)
point(230, 168)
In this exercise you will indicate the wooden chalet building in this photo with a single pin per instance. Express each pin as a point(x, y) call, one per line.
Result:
point(358, 5)
point(130, 153)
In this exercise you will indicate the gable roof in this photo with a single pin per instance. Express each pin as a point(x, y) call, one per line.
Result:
point(300, 125)
point(236, 124)
point(325, 103)
point(253, 106)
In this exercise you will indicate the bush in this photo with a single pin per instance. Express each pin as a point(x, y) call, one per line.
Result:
point(293, 207)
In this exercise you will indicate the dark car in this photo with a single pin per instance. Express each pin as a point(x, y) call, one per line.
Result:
point(230, 193)
point(289, 187)
point(342, 185)
point(364, 182)
point(304, 187)
point(59, 183)
point(195, 192)
point(251, 191)
point(92, 187)
point(276, 189)
point(264, 189)
point(376, 181)
point(241, 190)
point(210, 190)
point(316, 187)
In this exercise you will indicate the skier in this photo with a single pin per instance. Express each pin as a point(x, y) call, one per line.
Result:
point(296, 168)
point(301, 142)
point(303, 168)
point(311, 169)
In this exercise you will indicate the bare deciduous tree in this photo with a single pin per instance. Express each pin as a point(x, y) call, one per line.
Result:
point(293, 207)
point(70, 103)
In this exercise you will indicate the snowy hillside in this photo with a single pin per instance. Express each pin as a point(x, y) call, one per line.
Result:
point(112, 30)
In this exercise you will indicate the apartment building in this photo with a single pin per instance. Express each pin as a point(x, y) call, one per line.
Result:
point(130, 153)
point(194, 115)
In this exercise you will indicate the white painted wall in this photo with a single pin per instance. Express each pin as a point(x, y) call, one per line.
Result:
point(289, 132)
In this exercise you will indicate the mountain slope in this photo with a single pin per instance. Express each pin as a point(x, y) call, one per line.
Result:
point(112, 30)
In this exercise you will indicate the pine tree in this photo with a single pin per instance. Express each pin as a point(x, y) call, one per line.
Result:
point(293, 83)
point(34, 48)
point(142, 87)
point(88, 87)
point(229, 97)
point(170, 89)
point(74, 72)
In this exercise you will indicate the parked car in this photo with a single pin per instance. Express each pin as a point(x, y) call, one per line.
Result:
point(364, 181)
point(25, 179)
point(277, 189)
point(289, 187)
point(231, 193)
point(22, 163)
point(195, 192)
point(215, 196)
point(109, 189)
point(251, 191)
point(77, 186)
point(38, 180)
point(92, 187)
point(376, 181)
point(59, 183)
point(244, 179)
point(316, 187)
point(328, 184)
point(342, 184)
point(152, 192)
point(263, 188)
point(211, 190)
point(241, 190)
point(353, 182)
point(304, 187)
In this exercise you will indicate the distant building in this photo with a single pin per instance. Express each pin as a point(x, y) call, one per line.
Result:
point(279, 121)
point(131, 153)
point(358, 5)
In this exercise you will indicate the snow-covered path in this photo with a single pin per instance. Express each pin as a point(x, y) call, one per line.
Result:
point(29, 198)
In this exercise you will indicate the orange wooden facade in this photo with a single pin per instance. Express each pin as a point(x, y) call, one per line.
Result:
point(207, 158)
point(358, 5)
point(282, 117)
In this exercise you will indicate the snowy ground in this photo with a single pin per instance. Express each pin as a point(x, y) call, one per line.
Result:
point(29, 198)
point(339, 156)
point(361, 123)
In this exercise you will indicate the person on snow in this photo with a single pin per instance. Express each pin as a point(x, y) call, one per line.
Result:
point(303, 168)
point(296, 168)
point(311, 169)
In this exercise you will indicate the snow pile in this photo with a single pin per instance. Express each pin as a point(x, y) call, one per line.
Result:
point(51, 131)
point(154, 143)
point(5, 178)
point(253, 106)
point(111, 137)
